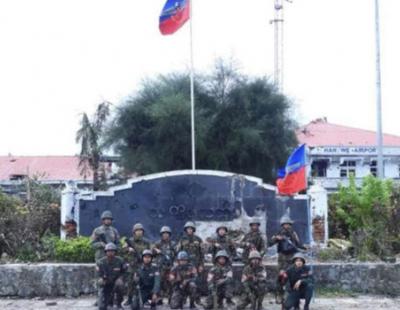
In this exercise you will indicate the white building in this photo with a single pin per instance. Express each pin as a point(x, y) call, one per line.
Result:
point(336, 152)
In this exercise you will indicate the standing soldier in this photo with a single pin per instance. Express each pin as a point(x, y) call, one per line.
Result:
point(133, 250)
point(300, 283)
point(104, 234)
point(147, 279)
point(192, 245)
point(110, 270)
point(164, 251)
point(183, 280)
point(220, 284)
point(222, 242)
point(253, 240)
point(70, 228)
point(288, 244)
point(254, 280)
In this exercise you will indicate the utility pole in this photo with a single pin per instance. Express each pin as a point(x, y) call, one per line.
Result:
point(379, 135)
point(278, 43)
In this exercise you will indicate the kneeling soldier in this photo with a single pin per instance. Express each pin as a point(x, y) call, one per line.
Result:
point(110, 270)
point(147, 279)
point(183, 279)
point(300, 283)
point(254, 280)
point(220, 284)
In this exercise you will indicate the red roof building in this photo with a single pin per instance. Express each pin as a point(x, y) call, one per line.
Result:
point(321, 133)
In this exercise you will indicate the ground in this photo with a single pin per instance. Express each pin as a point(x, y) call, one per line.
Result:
point(325, 303)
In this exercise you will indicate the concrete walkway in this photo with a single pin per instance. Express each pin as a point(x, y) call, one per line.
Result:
point(86, 303)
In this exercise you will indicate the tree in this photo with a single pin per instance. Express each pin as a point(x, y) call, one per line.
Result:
point(89, 136)
point(243, 125)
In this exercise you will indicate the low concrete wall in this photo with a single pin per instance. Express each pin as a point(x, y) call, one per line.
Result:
point(71, 280)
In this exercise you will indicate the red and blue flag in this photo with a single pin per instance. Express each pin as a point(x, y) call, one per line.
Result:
point(292, 179)
point(174, 15)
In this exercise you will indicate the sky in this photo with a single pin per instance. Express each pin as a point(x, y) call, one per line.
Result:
point(60, 58)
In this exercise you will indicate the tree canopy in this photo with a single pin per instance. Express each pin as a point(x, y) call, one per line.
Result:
point(243, 125)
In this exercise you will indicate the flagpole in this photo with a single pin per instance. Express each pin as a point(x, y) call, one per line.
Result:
point(192, 86)
point(379, 135)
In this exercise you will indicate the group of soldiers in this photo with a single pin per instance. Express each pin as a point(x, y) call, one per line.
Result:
point(174, 271)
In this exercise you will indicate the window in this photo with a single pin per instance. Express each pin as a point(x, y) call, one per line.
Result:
point(348, 168)
point(318, 167)
point(373, 168)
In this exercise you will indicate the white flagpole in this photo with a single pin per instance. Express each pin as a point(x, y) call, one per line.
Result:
point(192, 86)
point(379, 135)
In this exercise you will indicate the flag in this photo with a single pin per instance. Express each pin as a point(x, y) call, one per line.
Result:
point(292, 179)
point(174, 15)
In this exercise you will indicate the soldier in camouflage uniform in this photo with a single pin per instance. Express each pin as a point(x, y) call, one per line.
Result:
point(219, 281)
point(104, 234)
point(253, 240)
point(192, 245)
point(110, 270)
point(183, 280)
point(288, 244)
point(222, 242)
point(133, 250)
point(164, 256)
point(254, 280)
point(147, 278)
point(70, 228)
point(300, 283)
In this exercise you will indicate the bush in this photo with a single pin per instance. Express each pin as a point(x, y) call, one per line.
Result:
point(77, 250)
point(366, 216)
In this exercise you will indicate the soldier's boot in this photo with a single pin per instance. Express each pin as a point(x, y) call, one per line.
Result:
point(128, 302)
point(192, 304)
point(230, 302)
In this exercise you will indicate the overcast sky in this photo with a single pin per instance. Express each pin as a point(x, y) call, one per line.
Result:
point(61, 58)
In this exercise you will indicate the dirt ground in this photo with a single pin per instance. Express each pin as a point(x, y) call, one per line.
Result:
point(325, 303)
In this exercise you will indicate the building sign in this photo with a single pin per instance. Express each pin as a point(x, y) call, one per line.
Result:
point(352, 150)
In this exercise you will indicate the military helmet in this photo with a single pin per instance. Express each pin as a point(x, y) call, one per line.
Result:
point(254, 254)
point(137, 226)
point(110, 247)
point(222, 253)
point(255, 221)
point(286, 220)
point(222, 226)
point(106, 215)
point(299, 256)
point(165, 229)
point(147, 252)
point(189, 224)
point(183, 255)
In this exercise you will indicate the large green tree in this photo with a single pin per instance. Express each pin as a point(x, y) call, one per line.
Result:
point(243, 125)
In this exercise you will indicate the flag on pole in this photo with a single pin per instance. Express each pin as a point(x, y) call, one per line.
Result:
point(174, 15)
point(292, 179)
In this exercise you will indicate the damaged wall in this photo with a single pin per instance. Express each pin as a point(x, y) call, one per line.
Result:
point(172, 198)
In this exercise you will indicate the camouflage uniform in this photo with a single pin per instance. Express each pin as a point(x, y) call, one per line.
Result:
point(192, 244)
point(183, 279)
point(220, 283)
point(110, 272)
point(70, 229)
point(218, 243)
point(164, 256)
point(254, 240)
point(306, 288)
point(147, 278)
point(287, 247)
point(254, 280)
point(103, 235)
point(134, 258)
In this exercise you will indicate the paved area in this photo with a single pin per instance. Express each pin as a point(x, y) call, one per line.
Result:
point(323, 303)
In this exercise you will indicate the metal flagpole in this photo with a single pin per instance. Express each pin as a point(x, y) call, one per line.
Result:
point(192, 86)
point(379, 136)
